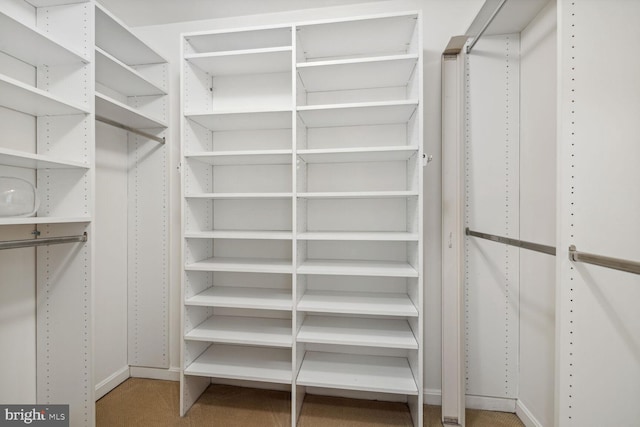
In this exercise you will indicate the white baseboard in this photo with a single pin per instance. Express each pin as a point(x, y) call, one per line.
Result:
point(432, 397)
point(485, 403)
point(112, 381)
point(526, 416)
point(171, 374)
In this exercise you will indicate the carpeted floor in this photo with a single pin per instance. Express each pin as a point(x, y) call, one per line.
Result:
point(152, 403)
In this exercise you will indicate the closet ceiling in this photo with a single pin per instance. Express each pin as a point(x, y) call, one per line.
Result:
point(151, 12)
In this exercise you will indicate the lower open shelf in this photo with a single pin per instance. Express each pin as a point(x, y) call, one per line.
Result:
point(243, 330)
point(382, 374)
point(243, 363)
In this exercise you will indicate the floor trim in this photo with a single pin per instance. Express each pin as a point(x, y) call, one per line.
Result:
point(171, 374)
point(112, 381)
point(526, 416)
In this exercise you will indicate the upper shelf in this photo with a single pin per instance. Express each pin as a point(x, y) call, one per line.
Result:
point(366, 37)
point(226, 41)
point(248, 157)
point(360, 73)
point(113, 36)
point(243, 120)
point(33, 46)
point(117, 111)
point(27, 99)
point(46, 3)
point(357, 154)
point(362, 113)
point(251, 61)
point(117, 75)
point(44, 220)
point(36, 161)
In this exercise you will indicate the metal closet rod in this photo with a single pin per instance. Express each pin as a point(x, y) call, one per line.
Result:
point(160, 139)
point(485, 26)
point(574, 254)
point(13, 244)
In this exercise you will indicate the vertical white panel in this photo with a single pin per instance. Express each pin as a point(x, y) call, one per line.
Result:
point(111, 253)
point(537, 214)
point(147, 254)
point(491, 206)
point(598, 370)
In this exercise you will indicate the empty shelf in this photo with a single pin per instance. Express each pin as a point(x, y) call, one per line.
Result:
point(46, 3)
point(360, 73)
point(36, 161)
point(30, 100)
point(388, 333)
point(244, 331)
point(357, 154)
point(356, 114)
point(358, 268)
point(247, 265)
point(250, 61)
point(243, 120)
point(254, 157)
point(241, 297)
point(357, 372)
point(221, 41)
point(358, 194)
point(116, 111)
point(44, 220)
point(243, 363)
point(240, 234)
point(113, 36)
point(391, 236)
point(32, 46)
point(240, 196)
point(118, 76)
point(364, 303)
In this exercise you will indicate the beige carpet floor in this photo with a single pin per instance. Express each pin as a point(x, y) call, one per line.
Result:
point(152, 403)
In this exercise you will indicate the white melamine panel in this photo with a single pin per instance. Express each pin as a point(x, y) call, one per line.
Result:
point(368, 332)
point(35, 47)
point(352, 137)
point(243, 120)
point(350, 74)
point(222, 41)
point(36, 161)
point(118, 76)
point(356, 177)
point(357, 268)
point(598, 151)
point(352, 215)
point(243, 363)
point(364, 113)
point(37, 102)
point(247, 265)
point(252, 61)
point(247, 157)
point(357, 372)
point(359, 235)
point(491, 206)
point(114, 110)
point(363, 303)
point(383, 36)
point(256, 91)
point(242, 297)
point(244, 331)
point(359, 154)
point(114, 37)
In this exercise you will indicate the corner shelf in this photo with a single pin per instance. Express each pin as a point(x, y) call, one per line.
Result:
point(238, 62)
point(257, 331)
point(242, 297)
point(362, 303)
point(114, 110)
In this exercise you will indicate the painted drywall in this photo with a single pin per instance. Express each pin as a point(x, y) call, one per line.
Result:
point(537, 214)
point(442, 19)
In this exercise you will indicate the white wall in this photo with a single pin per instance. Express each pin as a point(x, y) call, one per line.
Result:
point(538, 77)
point(442, 19)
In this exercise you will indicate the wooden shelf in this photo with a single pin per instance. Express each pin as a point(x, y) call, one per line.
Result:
point(358, 114)
point(388, 236)
point(242, 297)
point(118, 76)
point(359, 73)
point(363, 303)
point(237, 62)
point(366, 37)
point(27, 99)
point(357, 372)
point(43, 220)
point(243, 363)
point(117, 111)
point(240, 234)
point(358, 195)
point(358, 268)
point(244, 331)
point(114, 37)
point(248, 157)
point(243, 120)
point(33, 46)
point(36, 161)
point(387, 333)
point(357, 154)
point(240, 196)
point(246, 265)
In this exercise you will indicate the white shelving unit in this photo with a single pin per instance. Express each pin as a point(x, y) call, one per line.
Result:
point(302, 207)
point(47, 113)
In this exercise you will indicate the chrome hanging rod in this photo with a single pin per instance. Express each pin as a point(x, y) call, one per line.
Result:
point(604, 261)
point(13, 244)
point(550, 250)
point(485, 26)
point(160, 139)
